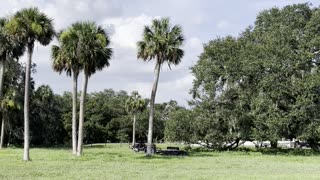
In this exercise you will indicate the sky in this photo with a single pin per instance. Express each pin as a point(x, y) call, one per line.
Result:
point(201, 20)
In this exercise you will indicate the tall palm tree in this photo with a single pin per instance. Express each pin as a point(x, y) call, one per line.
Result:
point(10, 48)
point(162, 43)
point(133, 105)
point(94, 54)
point(65, 59)
point(30, 25)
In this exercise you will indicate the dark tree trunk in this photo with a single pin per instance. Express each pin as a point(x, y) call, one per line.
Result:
point(314, 145)
point(274, 144)
point(233, 145)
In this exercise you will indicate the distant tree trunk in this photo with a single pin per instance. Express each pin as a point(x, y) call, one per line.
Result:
point(134, 131)
point(81, 113)
point(314, 144)
point(9, 138)
point(74, 113)
point(274, 144)
point(152, 100)
point(2, 66)
point(2, 131)
point(233, 145)
point(26, 103)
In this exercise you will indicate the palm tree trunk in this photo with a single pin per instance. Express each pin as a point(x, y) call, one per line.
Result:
point(2, 131)
point(26, 104)
point(81, 113)
point(74, 114)
point(152, 100)
point(134, 131)
point(2, 66)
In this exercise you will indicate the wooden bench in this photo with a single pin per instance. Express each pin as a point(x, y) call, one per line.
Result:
point(173, 148)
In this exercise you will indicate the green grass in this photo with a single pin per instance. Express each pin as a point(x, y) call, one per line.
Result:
point(119, 162)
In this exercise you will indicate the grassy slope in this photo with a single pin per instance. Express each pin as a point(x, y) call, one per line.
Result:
point(118, 162)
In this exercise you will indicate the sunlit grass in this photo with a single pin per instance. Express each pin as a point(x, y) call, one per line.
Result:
point(113, 161)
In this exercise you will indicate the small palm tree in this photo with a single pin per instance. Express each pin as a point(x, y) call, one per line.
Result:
point(162, 43)
point(65, 59)
point(10, 48)
point(94, 53)
point(30, 25)
point(134, 104)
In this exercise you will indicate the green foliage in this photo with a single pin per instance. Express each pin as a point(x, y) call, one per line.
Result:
point(179, 126)
point(135, 103)
point(13, 100)
point(10, 46)
point(263, 84)
point(46, 111)
point(30, 25)
point(91, 43)
point(161, 42)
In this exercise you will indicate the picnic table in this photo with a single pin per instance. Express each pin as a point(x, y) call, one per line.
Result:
point(175, 151)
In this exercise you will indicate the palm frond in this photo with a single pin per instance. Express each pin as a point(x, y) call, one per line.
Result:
point(161, 42)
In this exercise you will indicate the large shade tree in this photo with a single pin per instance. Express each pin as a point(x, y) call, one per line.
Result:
point(263, 85)
point(10, 48)
point(65, 59)
point(133, 105)
point(162, 43)
point(94, 54)
point(30, 25)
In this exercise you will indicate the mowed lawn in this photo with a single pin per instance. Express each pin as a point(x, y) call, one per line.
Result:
point(115, 161)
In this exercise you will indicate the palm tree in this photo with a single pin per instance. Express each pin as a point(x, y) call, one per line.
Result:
point(94, 54)
point(162, 43)
point(65, 59)
point(9, 48)
point(30, 25)
point(133, 105)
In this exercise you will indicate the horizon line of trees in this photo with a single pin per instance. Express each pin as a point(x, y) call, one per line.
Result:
point(107, 119)
point(83, 48)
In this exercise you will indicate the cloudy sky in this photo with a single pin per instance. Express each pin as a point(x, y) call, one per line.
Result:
point(202, 20)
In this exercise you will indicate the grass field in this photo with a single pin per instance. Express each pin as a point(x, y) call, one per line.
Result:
point(119, 162)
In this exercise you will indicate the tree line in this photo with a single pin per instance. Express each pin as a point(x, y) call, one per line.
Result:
point(82, 48)
point(107, 118)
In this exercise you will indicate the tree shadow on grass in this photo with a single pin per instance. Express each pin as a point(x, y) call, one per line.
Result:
point(289, 152)
point(277, 151)
point(201, 154)
point(96, 146)
point(161, 157)
point(189, 155)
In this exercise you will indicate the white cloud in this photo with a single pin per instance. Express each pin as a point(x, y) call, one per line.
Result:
point(128, 30)
point(201, 21)
point(194, 43)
